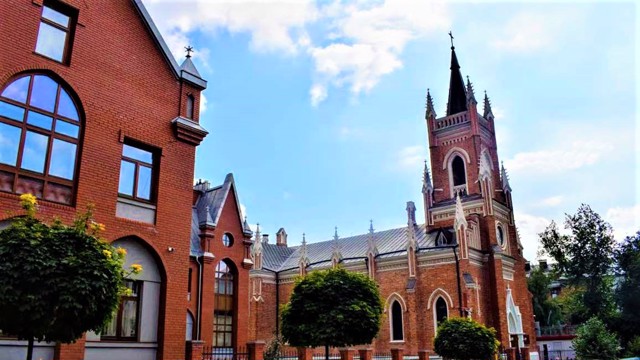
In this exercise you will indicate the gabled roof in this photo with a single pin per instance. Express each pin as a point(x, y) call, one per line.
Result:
point(185, 72)
point(392, 242)
point(208, 208)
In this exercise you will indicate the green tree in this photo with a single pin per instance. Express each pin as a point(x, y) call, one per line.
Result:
point(628, 291)
point(594, 341)
point(465, 339)
point(585, 257)
point(546, 311)
point(332, 308)
point(57, 281)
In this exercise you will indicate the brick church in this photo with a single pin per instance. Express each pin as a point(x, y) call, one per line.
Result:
point(463, 258)
point(110, 118)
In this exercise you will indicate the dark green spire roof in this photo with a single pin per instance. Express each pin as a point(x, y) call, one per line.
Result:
point(457, 94)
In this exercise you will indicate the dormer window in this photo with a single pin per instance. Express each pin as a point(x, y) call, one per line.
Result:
point(55, 34)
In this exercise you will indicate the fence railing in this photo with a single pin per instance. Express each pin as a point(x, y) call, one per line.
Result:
point(224, 353)
point(558, 355)
point(557, 330)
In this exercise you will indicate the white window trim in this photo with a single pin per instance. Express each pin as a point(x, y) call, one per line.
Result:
point(446, 165)
point(392, 340)
point(435, 313)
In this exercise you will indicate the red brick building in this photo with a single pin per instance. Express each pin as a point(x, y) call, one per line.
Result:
point(465, 260)
point(95, 109)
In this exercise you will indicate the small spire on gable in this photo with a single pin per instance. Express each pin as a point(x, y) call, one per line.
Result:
point(487, 113)
point(431, 112)
point(505, 179)
point(335, 234)
point(471, 97)
point(304, 260)
point(371, 227)
point(336, 255)
point(460, 219)
point(427, 186)
point(187, 64)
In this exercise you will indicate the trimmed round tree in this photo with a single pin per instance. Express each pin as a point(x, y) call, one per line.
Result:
point(334, 308)
point(57, 281)
point(465, 339)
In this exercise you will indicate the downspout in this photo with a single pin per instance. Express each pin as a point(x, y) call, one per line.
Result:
point(455, 254)
point(277, 304)
point(199, 300)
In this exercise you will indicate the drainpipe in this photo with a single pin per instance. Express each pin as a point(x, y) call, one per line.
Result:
point(453, 248)
point(199, 302)
point(277, 304)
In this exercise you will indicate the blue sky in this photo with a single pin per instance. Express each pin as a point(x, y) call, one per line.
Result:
point(317, 108)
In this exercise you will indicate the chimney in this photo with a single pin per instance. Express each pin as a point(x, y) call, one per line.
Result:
point(202, 185)
point(411, 213)
point(265, 238)
point(281, 237)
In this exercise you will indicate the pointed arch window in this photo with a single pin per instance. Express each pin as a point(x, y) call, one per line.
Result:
point(458, 172)
point(441, 311)
point(190, 106)
point(40, 135)
point(397, 331)
point(224, 308)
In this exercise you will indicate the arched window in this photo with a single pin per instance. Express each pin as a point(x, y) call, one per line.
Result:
point(441, 311)
point(40, 131)
point(189, 332)
point(457, 171)
point(396, 322)
point(224, 308)
point(190, 106)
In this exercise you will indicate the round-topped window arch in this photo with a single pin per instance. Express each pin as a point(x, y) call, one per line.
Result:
point(40, 137)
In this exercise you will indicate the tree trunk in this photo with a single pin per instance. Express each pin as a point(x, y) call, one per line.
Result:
point(326, 352)
point(30, 349)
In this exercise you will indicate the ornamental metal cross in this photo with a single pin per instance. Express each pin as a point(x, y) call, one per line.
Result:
point(451, 35)
point(189, 50)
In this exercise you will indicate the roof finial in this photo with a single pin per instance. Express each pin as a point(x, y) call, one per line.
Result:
point(335, 234)
point(470, 94)
point(189, 50)
point(430, 109)
point(427, 186)
point(451, 36)
point(304, 239)
point(487, 107)
point(505, 179)
point(371, 226)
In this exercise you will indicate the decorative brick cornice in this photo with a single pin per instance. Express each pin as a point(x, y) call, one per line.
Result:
point(188, 131)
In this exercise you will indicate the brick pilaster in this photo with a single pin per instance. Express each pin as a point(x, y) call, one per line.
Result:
point(256, 350)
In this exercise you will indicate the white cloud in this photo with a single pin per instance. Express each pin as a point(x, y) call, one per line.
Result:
point(273, 25)
point(528, 32)
point(564, 157)
point(366, 41)
point(551, 201)
point(411, 157)
point(359, 42)
point(529, 226)
point(203, 103)
point(243, 210)
point(318, 94)
point(624, 220)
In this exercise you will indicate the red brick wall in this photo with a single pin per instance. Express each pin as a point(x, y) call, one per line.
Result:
point(126, 88)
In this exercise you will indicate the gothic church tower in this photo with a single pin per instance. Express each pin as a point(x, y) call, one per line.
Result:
point(470, 192)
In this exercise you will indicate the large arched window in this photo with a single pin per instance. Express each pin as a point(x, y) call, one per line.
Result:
point(224, 309)
point(457, 171)
point(397, 333)
point(441, 311)
point(40, 131)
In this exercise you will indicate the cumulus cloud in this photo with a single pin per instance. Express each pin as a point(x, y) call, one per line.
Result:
point(624, 220)
point(529, 226)
point(567, 156)
point(203, 104)
point(357, 44)
point(551, 201)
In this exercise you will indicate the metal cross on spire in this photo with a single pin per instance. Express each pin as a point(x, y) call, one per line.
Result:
point(189, 50)
point(451, 36)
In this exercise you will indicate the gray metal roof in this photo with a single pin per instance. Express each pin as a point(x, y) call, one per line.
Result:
point(188, 74)
point(390, 243)
point(208, 208)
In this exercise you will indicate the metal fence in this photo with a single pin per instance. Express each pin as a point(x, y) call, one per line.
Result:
point(558, 355)
point(218, 353)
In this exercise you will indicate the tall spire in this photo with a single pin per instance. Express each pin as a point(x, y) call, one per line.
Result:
point(487, 113)
point(430, 110)
point(457, 94)
point(335, 234)
point(471, 97)
point(427, 186)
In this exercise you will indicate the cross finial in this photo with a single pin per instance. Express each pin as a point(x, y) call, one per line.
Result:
point(451, 36)
point(189, 50)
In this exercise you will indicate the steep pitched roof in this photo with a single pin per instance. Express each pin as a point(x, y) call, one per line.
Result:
point(390, 243)
point(181, 72)
point(208, 208)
